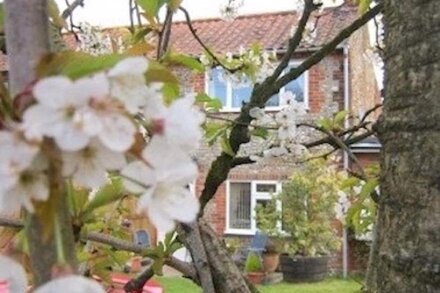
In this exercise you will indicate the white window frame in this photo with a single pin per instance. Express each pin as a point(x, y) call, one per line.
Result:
point(228, 107)
point(255, 196)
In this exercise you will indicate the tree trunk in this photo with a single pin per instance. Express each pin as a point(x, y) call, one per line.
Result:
point(27, 40)
point(214, 260)
point(408, 243)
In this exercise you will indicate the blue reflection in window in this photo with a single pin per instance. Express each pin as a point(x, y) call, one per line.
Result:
point(217, 85)
point(241, 93)
point(274, 101)
point(297, 88)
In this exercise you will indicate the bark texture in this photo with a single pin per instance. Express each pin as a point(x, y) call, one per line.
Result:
point(27, 40)
point(408, 244)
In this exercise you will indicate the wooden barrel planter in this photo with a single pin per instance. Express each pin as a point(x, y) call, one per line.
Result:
point(304, 269)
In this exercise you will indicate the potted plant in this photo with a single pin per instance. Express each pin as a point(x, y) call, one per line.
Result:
point(305, 222)
point(254, 268)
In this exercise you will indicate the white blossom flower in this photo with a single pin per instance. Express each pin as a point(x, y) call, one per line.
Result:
point(71, 284)
point(256, 113)
point(16, 153)
point(103, 117)
point(127, 83)
point(88, 167)
point(13, 274)
point(56, 113)
point(163, 183)
point(181, 123)
point(22, 187)
point(275, 152)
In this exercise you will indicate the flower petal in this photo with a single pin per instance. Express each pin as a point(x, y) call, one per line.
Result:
point(137, 171)
point(14, 274)
point(53, 92)
point(117, 133)
point(129, 66)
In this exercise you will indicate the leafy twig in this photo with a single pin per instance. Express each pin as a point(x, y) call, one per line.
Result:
point(213, 56)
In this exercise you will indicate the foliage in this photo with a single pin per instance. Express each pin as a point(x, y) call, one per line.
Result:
point(361, 214)
point(253, 263)
point(308, 204)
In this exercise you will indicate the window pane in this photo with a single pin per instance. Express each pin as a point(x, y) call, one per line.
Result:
point(297, 87)
point(269, 208)
point(217, 85)
point(269, 188)
point(240, 205)
point(241, 93)
point(274, 101)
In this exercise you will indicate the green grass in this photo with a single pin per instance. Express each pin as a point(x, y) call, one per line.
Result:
point(181, 285)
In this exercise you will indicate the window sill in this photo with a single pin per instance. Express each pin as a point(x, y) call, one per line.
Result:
point(239, 232)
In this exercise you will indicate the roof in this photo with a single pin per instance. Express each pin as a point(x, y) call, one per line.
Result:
point(271, 30)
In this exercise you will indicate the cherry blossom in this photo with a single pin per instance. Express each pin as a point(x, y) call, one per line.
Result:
point(163, 183)
point(104, 118)
point(182, 122)
point(12, 275)
point(88, 167)
point(18, 189)
point(57, 112)
point(127, 83)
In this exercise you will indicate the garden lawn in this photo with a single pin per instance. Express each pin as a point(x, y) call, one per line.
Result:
point(181, 285)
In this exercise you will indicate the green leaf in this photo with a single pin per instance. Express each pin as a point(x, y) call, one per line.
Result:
point(174, 247)
point(107, 194)
point(368, 188)
point(208, 102)
point(140, 34)
point(168, 238)
point(202, 98)
point(158, 266)
point(340, 117)
point(213, 131)
point(215, 104)
point(185, 60)
point(75, 64)
point(171, 92)
point(151, 7)
point(226, 146)
point(260, 132)
point(325, 123)
point(158, 73)
point(55, 15)
point(174, 4)
point(363, 5)
point(349, 183)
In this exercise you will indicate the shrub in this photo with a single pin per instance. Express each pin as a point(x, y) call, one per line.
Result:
point(253, 263)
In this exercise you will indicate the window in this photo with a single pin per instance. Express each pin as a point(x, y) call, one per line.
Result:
point(233, 95)
point(242, 198)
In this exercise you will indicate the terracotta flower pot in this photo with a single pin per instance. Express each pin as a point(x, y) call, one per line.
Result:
point(270, 262)
point(255, 277)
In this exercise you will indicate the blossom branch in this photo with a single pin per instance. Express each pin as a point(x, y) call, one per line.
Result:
point(329, 47)
point(207, 50)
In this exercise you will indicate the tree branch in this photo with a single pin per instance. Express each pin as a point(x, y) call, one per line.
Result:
point(294, 41)
point(69, 10)
point(207, 50)
point(326, 49)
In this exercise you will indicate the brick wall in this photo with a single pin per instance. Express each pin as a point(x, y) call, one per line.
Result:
point(364, 89)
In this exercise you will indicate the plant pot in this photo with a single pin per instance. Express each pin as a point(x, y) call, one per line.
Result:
point(304, 269)
point(270, 262)
point(255, 277)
